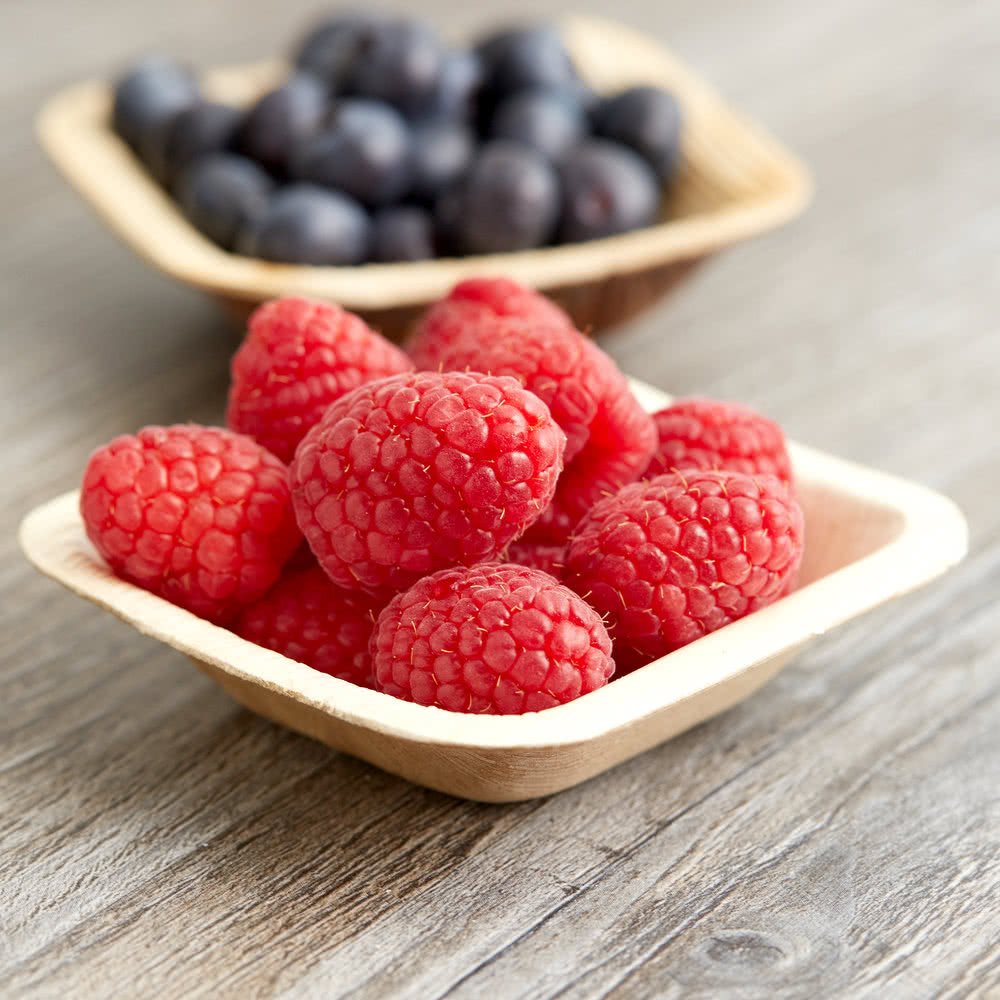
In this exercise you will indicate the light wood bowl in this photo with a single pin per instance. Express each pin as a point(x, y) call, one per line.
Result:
point(869, 537)
point(735, 181)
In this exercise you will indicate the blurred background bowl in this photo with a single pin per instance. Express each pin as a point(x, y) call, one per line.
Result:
point(734, 182)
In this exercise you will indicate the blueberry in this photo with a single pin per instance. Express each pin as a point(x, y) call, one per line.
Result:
point(332, 49)
point(221, 194)
point(491, 47)
point(547, 121)
point(449, 215)
point(364, 151)
point(195, 131)
point(305, 224)
point(282, 119)
point(584, 95)
point(607, 189)
point(648, 120)
point(578, 93)
point(149, 94)
point(402, 66)
point(403, 232)
point(457, 87)
point(440, 154)
point(510, 200)
point(525, 59)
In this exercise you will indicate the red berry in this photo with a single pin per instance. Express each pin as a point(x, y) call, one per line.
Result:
point(299, 356)
point(538, 555)
point(709, 434)
point(306, 618)
point(495, 639)
point(505, 297)
point(502, 328)
point(622, 437)
point(417, 472)
point(198, 515)
point(681, 555)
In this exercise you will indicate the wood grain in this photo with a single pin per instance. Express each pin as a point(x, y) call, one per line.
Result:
point(837, 835)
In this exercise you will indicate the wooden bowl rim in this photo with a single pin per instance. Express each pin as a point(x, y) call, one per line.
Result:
point(73, 129)
point(926, 534)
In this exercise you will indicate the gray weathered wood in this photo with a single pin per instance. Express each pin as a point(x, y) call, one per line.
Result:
point(837, 835)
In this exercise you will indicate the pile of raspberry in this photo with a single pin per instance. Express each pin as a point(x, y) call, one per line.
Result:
point(486, 522)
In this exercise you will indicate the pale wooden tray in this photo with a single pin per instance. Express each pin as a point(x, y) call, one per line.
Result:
point(734, 182)
point(870, 537)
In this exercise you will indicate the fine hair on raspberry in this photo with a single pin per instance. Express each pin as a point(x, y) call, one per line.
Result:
point(306, 617)
point(673, 558)
point(198, 515)
point(299, 355)
point(491, 639)
point(700, 433)
point(414, 473)
point(547, 556)
point(498, 326)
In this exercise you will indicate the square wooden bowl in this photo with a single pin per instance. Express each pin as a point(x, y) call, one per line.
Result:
point(734, 182)
point(869, 537)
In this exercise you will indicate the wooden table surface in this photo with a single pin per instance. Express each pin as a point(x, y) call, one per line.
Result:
point(836, 835)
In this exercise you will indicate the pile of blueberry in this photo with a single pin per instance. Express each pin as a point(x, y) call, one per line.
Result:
point(384, 144)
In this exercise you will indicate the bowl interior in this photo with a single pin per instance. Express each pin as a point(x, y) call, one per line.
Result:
point(869, 537)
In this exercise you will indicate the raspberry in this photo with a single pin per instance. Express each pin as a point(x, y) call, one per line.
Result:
point(198, 515)
point(681, 555)
point(305, 617)
point(709, 434)
point(421, 471)
point(489, 297)
point(494, 639)
point(538, 555)
point(298, 357)
point(622, 437)
point(505, 329)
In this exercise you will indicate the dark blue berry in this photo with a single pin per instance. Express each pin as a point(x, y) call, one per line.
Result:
point(547, 121)
point(305, 224)
point(333, 48)
point(648, 120)
point(147, 95)
point(221, 194)
point(401, 66)
point(584, 95)
point(282, 120)
point(525, 59)
point(607, 189)
point(440, 154)
point(448, 218)
point(510, 200)
point(490, 47)
point(403, 232)
point(195, 131)
point(364, 151)
point(457, 87)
